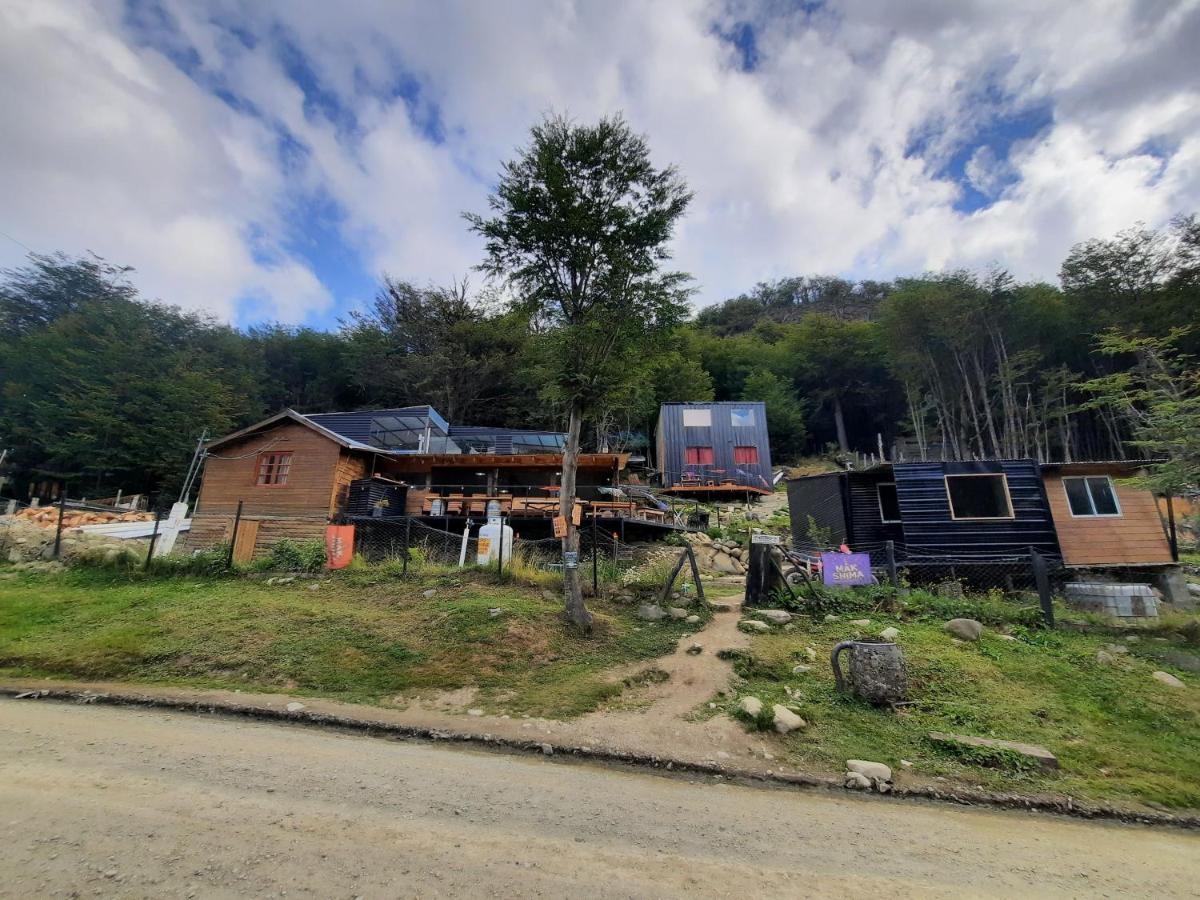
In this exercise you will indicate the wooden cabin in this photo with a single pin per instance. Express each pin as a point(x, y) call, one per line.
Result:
point(714, 450)
point(937, 510)
point(292, 475)
point(1102, 519)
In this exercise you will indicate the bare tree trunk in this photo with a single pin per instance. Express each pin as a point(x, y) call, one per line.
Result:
point(840, 421)
point(577, 611)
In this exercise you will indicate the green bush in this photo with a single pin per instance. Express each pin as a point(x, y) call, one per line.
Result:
point(298, 556)
point(205, 563)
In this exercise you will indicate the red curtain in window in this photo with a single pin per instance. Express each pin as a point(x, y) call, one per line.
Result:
point(745, 456)
point(698, 456)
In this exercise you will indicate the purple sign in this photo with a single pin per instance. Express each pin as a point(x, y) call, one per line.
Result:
point(846, 569)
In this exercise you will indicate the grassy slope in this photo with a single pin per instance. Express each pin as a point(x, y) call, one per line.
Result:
point(356, 638)
point(1119, 734)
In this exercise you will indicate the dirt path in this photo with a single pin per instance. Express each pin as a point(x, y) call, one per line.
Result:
point(107, 801)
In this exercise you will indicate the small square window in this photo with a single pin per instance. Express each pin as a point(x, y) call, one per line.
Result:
point(889, 503)
point(273, 468)
point(978, 497)
point(697, 418)
point(1092, 496)
point(742, 417)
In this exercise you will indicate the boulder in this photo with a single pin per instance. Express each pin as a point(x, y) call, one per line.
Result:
point(776, 616)
point(677, 613)
point(801, 669)
point(692, 620)
point(857, 782)
point(1167, 678)
point(860, 623)
point(754, 626)
point(875, 771)
point(964, 629)
point(726, 564)
point(750, 706)
point(830, 617)
point(1105, 658)
point(429, 593)
point(295, 707)
point(651, 612)
point(890, 634)
point(495, 612)
point(1181, 659)
point(785, 720)
point(1040, 755)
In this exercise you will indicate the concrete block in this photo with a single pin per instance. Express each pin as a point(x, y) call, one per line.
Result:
point(1040, 755)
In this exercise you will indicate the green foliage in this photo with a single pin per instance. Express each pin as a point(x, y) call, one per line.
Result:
point(297, 556)
point(785, 412)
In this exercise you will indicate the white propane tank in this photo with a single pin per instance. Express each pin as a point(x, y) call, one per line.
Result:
point(495, 542)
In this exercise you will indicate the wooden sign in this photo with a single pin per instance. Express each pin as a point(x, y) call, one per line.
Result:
point(577, 514)
point(560, 527)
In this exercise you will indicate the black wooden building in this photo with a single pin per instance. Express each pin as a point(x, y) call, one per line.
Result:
point(964, 510)
point(714, 448)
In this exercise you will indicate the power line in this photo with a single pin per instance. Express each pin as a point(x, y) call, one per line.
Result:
point(15, 241)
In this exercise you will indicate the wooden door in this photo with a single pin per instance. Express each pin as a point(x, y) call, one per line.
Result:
point(247, 537)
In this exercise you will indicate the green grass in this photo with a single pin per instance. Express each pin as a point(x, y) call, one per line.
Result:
point(362, 637)
point(1119, 735)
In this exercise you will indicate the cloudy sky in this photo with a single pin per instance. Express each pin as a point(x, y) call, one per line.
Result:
point(267, 160)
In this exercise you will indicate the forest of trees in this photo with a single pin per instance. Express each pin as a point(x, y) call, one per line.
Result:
point(104, 389)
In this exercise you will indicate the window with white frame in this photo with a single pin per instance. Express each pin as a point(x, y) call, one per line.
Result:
point(889, 502)
point(1091, 495)
point(697, 418)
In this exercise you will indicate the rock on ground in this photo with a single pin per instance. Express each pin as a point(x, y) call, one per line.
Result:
point(785, 720)
point(676, 612)
point(1040, 755)
point(1105, 658)
point(964, 629)
point(754, 625)
point(890, 634)
point(750, 706)
point(651, 612)
point(872, 770)
point(1167, 678)
point(856, 782)
point(776, 616)
point(860, 623)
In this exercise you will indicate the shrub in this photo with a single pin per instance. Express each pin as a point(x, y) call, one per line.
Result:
point(298, 556)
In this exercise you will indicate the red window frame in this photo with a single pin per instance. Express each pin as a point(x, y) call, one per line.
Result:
point(745, 455)
point(271, 469)
point(698, 456)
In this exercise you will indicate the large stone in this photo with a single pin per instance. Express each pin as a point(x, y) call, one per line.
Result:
point(1040, 755)
point(1105, 658)
point(651, 612)
point(725, 563)
point(856, 782)
point(1167, 678)
point(785, 720)
point(860, 623)
point(750, 706)
point(676, 612)
point(964, 629)
point(890, 634)
point(754, 625)
point(1181, 659)
point(875, 771)
point(692, 620)
point(776, 616)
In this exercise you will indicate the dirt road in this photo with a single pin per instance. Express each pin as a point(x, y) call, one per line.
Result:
point(106, 801)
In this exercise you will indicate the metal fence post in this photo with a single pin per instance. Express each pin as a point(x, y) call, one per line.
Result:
point(237, 523)
point(1172, 535)
point(1042, 578)
point(153, 538)
point(62, 509)
point(890, 547)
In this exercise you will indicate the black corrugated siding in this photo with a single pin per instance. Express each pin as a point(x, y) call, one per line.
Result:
point(928, 527)
point(722, 436)
point(867, 527)
point(819, 496)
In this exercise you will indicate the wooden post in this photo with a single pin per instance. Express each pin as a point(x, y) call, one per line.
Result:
point(1171, 533)
point(890, 547)
point(153, 537)
point(237, 523)
point(595, 563)
point(1042, 578)
point(62, 509)
point(666, 591)
point(696, 573)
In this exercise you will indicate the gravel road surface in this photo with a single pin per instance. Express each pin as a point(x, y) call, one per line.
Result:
point(103, 801)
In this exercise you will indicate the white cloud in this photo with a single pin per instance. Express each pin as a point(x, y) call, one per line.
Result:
point(804, 165)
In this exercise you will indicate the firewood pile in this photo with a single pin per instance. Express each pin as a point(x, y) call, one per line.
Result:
point(47, 517)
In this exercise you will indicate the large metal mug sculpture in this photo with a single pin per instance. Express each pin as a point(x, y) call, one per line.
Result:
point(877, 672)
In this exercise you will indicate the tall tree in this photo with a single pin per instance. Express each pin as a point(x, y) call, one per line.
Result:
point(579, 228)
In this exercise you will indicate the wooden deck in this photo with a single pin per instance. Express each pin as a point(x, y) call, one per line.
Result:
point(710, 490)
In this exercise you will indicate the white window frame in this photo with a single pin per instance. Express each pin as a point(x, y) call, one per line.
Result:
point(704, 411)
point(879, 500)
point(1012, 513)
point(1092, 500)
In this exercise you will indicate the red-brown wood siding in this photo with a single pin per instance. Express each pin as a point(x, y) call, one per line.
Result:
point(1133, 538)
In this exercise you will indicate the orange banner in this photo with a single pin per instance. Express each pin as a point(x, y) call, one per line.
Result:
point(339, 546)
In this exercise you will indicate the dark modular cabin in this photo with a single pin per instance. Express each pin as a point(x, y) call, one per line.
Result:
point(714, 449)
point(948, 510)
